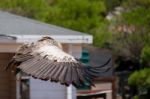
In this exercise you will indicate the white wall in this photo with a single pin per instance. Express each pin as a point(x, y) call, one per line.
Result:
point(46, 90)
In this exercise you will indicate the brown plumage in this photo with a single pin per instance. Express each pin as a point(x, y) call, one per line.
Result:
point(46, 60)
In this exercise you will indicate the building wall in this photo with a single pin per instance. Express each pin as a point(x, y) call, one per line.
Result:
point(107, 86)
point(46, 90)
point(8, 81)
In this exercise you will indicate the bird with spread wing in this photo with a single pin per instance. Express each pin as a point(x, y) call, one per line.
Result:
point(46, 60)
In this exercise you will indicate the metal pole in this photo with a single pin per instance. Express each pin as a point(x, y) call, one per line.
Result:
point(18, 82)
point(70, 88)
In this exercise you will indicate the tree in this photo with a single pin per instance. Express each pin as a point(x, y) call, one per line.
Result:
point(131, 40)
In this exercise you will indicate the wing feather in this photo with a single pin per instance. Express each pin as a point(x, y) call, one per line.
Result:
point(75, 78)
point(21, 55)
point(80, 74)
point(41, 71)
point(58, 72)
point(31, 66)
point(63, 74)
point(46, 74)
point(53, 72)
point(68, 76)
point(41, 74)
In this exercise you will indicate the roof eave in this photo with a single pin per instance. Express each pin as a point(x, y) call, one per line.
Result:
point(61, 38)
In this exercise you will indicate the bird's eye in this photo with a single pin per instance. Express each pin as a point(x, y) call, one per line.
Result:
point(55, 60)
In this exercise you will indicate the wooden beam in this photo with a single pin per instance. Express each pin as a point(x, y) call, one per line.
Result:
point(111, 80)
point(9, 47)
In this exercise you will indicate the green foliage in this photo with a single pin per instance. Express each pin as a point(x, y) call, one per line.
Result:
point(140, 78)
point(85, 16)
point(134, 35)
point(135, 97)
point(136, 3)
point(28, 8)
point(111, 4)
point(128, 46)
point(102, 35)
point(139, 17)
point(145, 55)
point(82, 16)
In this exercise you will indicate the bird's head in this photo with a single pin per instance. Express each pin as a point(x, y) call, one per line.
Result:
point(45, 38)
point(50, 40)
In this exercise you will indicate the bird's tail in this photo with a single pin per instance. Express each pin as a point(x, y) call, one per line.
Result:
point(97, 71)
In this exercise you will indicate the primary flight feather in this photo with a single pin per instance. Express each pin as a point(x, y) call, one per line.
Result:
point(46, 60)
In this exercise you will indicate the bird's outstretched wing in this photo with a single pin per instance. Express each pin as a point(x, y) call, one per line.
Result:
point(23, 54)
point(46, 61)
